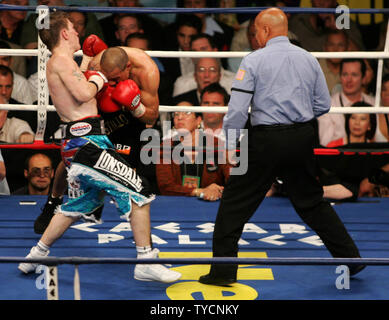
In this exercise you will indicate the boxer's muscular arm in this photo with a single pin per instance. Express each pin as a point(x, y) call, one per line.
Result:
point(149, 98)
point(74, 80)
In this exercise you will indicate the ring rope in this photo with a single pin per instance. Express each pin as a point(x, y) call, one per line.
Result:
point(202, 109)
point(218, 54)
point(51, 261)
point(158, 10)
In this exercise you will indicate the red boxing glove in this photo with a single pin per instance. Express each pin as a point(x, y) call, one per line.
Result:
point(97, 78)
point(105, 102)
point(127, 93)
point(93, 45)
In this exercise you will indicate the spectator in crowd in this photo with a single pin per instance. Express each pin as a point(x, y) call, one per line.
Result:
point(12, 130)
point(191, 174)
point(21, 91)
point(229, 19)
point(335, 41)
point(360, 128)
point(150, 25)
point(207, 71)
point(80, 22)
point(38, 171)
point(383, 119)
point(214, 95)
point(11, 21)
point(310, 29)
point(244, 40)
point(187, 82)
point(221, 32)
point(142, 41)
point(332, 126)
point(4, 188)
point(185, 27)
point(127, 24)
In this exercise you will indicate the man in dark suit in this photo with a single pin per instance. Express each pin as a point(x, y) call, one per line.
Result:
point(178, 37)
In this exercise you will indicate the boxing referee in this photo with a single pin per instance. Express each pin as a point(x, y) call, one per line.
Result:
point(286, 90)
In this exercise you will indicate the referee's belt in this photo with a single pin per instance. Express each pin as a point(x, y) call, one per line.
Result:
point(282, 126)
point(82, 127)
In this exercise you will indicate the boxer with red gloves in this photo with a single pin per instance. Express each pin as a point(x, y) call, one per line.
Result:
point(127, 94)
point(91, 47)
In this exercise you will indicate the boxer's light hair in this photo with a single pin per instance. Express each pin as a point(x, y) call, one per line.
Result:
point(113, 58)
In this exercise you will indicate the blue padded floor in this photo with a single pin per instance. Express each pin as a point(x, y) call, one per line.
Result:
point(182, 227)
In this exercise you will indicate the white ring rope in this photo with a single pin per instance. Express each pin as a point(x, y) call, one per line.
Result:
point(221, 109)
point(217, 54)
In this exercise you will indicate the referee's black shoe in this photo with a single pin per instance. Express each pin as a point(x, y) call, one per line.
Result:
point(44, 218)
point(356, 269)
point(209, 279)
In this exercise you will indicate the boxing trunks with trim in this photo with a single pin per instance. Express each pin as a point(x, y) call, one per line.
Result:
point(96, 169)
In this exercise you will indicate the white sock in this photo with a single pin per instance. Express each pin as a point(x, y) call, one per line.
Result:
point(42, 247)
point(143, 250)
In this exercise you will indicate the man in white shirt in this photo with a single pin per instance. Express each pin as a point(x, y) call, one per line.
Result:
point(4, 188)
point(187, 82)
point(207, 71)
point(22, 91)
point(12, 130)
point(332, 125)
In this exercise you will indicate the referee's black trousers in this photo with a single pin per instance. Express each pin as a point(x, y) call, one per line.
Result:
point(285, 152)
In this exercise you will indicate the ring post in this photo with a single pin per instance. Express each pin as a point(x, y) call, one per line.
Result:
point(43, 95)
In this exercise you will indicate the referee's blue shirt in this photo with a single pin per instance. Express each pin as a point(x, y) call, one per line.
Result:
point(283, 83)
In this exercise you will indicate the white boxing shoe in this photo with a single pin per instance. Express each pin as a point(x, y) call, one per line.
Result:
point(155, 272)
point(30, 267)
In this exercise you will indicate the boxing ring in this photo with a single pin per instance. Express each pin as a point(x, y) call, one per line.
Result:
point(280, 258)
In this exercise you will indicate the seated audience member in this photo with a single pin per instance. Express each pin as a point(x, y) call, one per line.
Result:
point(189, 173)
point(13, 130)
point(243, 40)
point(310, 29)
point(383, 119)
point(344, 185)
point(11, 24)
point(187, 82)
point(185, 27)
point(39, 173)
point(360, 128)
point(332, 126)
point(4, 188)
point(150, 25)
point(127, 24)
point(21, 89)
point(335, 41)
point(221, 32)
point(214, 95)
point(27, 117)
point(142, 41)
point(207, 71)
point(12, 21)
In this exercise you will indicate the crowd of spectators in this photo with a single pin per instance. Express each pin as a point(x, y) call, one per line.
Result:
point(205, 82)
